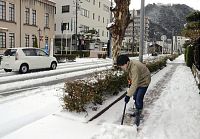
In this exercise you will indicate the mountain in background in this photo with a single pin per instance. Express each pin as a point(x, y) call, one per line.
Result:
point(165, 18)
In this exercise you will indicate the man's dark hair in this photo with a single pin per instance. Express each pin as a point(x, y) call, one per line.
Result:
point(122, 60)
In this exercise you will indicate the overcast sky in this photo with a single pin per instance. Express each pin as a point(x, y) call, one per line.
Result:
point(195, 4)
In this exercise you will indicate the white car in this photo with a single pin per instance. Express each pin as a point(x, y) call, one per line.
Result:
point(25, 59)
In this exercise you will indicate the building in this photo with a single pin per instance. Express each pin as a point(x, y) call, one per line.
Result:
point(178, 42)
point(132, 34)
point(78, 17)
point(22, 22)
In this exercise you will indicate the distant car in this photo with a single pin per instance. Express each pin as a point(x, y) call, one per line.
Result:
point(25, 59)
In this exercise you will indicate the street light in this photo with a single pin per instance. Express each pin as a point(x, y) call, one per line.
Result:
point(39, 33)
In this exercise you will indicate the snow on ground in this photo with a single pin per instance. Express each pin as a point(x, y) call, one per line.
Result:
point(175, 115)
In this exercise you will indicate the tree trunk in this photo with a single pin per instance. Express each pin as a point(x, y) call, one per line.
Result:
point(121, 21)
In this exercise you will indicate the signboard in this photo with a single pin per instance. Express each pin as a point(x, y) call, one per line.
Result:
point(163, 37)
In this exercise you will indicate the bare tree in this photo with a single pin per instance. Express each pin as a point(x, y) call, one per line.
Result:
point(121, 21)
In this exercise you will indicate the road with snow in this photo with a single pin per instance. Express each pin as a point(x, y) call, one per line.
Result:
point(14, 83)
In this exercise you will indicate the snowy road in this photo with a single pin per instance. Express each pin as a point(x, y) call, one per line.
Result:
point(18, 82)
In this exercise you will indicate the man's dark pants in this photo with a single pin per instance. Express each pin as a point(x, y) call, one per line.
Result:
point(139, 96)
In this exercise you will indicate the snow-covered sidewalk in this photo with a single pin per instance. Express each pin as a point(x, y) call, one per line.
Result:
point(174, 115)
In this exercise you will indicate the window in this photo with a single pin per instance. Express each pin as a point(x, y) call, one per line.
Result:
point(102, 33)
point(2, 40)
point(33, 40)
point(54, 27)
point(11, 12)
point(99, 4)
point(65, 9)
point(103, 19)
point(46, 18)
point(98, 18)
point(27, 15)
point(33, 17)
point(93, 16)
point(85, 12)
point(29, 52)
point(94, 2)
point(10, 52)
point(2, 10)
point(88, 0)
point(84, 28)
point(26, 40)
point(11, 40)
point(40, 53)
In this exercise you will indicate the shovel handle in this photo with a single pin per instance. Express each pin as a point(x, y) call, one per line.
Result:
point(122, 121)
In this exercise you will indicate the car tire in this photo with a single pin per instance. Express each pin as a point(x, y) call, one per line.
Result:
point(7, 70)
point(23, 68)
point(53, 65)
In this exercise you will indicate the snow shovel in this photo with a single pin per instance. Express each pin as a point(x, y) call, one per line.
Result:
point(123, 114)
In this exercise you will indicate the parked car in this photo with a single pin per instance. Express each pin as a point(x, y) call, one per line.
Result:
point(25, 59)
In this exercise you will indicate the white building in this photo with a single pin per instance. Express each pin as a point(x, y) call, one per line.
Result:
point(135, 15)
point(178, 42)
point(91, 14)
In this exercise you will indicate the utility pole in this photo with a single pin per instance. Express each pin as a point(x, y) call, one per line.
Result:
point(76, 4)
point(172, 41)
point(62, 29)
point(133, 33)
point(110, 35)
point(141, 31)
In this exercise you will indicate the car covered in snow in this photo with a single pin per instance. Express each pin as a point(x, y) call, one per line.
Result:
point(25, 59)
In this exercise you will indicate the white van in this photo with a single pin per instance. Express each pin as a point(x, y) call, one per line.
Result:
point(25, 59)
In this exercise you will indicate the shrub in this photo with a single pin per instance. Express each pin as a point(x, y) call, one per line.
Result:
point(99, 55)
point(0, 59)
point(156, 65)
point(83, 53)
point(79, 93)
point(60, 58)
point(71, 57)
point(189, 56)
point(133, 54)
point(172, 57)
point(104, 56)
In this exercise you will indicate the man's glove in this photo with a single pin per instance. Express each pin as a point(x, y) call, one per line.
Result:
point(126, 99)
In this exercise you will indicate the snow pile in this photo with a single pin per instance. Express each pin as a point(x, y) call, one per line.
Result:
point(113, 131)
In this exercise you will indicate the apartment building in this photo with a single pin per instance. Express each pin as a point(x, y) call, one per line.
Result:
point(133, 32)
point(22, 22)
point(80, 16)
point(178, 42)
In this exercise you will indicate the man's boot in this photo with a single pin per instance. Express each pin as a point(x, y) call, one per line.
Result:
point(137, 116)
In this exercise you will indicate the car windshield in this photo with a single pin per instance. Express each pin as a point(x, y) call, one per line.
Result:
point(10, 52)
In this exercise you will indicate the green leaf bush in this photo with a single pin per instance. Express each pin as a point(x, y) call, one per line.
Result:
point(189, 56)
